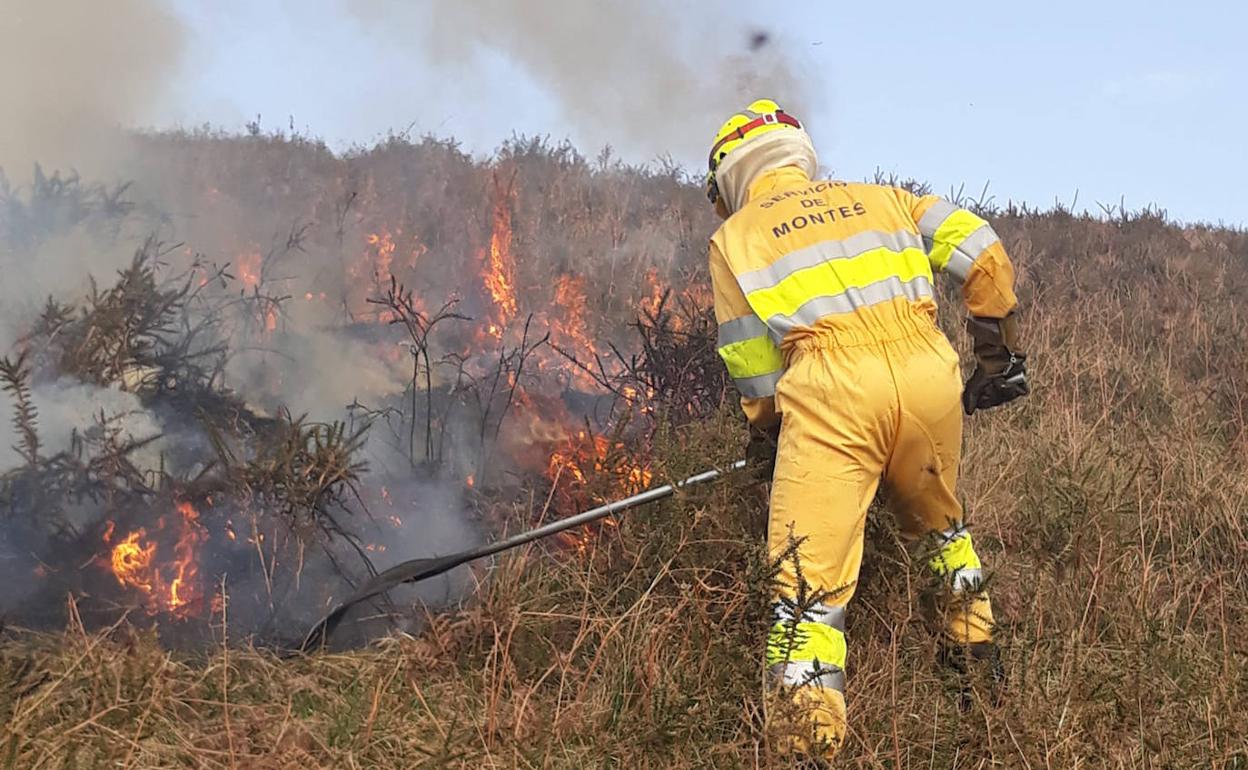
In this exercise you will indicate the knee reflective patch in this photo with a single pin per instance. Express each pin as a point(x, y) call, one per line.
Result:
point(810, 650)
point(957, 558)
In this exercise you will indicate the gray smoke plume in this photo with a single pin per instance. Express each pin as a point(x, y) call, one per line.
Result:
point(66, 405)
point(74, 76)
point(73, 73)
point(649, 76)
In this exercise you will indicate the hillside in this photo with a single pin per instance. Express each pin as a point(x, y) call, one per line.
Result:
point(1108, 506)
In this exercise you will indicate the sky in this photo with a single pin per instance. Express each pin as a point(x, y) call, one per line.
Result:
point(1141, 103)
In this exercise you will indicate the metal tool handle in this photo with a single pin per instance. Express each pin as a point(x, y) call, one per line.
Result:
point(422, 569)
point(594, 514)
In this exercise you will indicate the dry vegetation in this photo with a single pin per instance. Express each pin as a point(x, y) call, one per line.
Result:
point(1109, 507)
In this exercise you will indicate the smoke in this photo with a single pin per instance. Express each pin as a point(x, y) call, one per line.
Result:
point(648, 76)
point(433, 525)
point(66, 405)
point(59, 265)
point(74, 73)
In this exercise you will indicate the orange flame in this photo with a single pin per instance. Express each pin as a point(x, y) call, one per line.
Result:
point(579, 465)
point(499, 272)
point(250, 267)
point(383, 244)
point(182, 589)
point(569, 334)
point(650, 303)
point(134, 563)
point(418, 251)
point(693, 295)
point(570, 298)
point(582, 456)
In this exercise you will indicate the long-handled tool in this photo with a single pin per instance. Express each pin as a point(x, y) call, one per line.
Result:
point(422, 569)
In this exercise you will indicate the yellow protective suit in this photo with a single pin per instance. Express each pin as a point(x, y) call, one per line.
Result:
point(823, 294)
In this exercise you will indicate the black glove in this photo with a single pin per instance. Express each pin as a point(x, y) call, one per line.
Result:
point(760, 452)
point(984, 391)
point(1001, 371)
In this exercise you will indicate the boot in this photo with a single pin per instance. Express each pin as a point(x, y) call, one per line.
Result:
point(819, 730)
point(974, 661)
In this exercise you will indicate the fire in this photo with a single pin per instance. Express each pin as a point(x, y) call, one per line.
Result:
point(383, 244)
point(577, 466)
point(182, 588)
point(582, 456)
point(250, 268)
point(692, 295)
point(417, 251)
point(171, 586)
point(568, 330)
point(564, 462)
point(499, 272)
point(132, 561)
point(650, 303)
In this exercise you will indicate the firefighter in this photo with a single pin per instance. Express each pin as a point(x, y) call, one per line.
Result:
point(827, 324)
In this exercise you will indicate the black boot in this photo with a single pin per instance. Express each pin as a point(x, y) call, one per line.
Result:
point(970, 662)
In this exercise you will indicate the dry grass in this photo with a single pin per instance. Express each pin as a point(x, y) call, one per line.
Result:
point(1109, 506)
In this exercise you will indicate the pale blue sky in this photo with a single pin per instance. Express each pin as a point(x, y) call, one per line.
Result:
point(1143, 100)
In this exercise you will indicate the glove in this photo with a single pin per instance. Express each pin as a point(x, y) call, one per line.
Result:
point(1000, 373)
point(984, 391)
point(760, 452)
